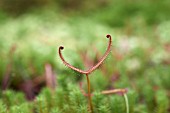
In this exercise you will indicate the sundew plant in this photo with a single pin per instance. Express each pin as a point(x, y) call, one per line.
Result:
point(90, 70)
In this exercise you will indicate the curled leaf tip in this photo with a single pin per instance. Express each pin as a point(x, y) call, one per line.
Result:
point(61, 47)
point(108, 36)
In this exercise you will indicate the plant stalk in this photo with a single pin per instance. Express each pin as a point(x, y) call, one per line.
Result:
point(126, 102)
point(89, 94)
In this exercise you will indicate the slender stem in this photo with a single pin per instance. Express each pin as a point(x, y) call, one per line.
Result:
point(126, 102)
point(89, 94)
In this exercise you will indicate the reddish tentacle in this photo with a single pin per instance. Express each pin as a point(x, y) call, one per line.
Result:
point(95, 66)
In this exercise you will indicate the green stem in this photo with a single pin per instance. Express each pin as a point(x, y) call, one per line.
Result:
point(89, 94)
point(126, 102)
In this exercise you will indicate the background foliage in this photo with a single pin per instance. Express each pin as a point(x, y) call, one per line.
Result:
point(31, 32)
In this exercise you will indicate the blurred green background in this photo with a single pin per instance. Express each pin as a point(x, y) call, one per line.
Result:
point(32, 30)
